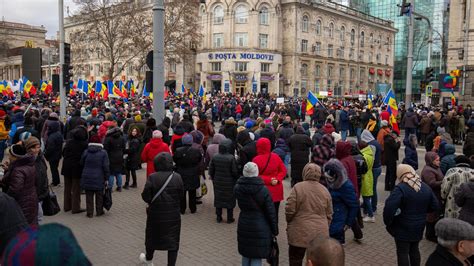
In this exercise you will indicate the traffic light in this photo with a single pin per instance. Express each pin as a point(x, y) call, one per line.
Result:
point(405, 8)
point(422, 85)
point(429, 75)
point(67, 68)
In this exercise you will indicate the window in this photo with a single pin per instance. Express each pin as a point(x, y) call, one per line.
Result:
point(352, 74)
point(317, 85)
point(386, 59)
point(304, 70)
point(263, 41)
point(241, 14)
point(317, 71)
point(330, 50)
point(241, 39)
point(96, 69)
point(305, 23)
point(361, 56)
point(304, 86)
point(353, 35)
point(218, 14)
point(265, 67)
point(330, 69)
point(379, 40)
point(218, 40)
point(329, 84)
point(378, 57)
point(317, 48)
point(264, 16)
point(370, 57)
point(341, 52)
point(342, 73)
point(216, 66)
point(371, 38)
point(362, 75)
point(342, 33)
point(331, 30)
point(172, 66)
point(241, 66)
point(362, 41)
point(351, 54)
point(304, 46)
point(318, 27)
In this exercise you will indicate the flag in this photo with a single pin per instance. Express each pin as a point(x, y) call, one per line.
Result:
point(311, 102)
point(85, 87)
point(110, 87)
point(104, 91)
point(49, 88)
point(44, 85)
point(118, 91)
point(453, 98)
point(183, 89)
point(201, 91)
point(80, 83)
point(133, 90)
point(3, 85)
point(392, 109)
point(370, 98)
point(98, 86)
point(166, 93)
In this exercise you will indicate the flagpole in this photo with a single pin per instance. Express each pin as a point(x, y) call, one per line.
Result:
point(158, 61)
point(62, 92)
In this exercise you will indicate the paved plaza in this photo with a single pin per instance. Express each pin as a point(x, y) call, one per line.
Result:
point(118, 237)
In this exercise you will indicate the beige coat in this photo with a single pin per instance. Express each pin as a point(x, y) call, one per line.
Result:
point(309, 209)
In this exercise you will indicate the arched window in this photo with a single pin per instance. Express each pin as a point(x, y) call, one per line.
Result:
point(331, 30)
point(305, 23)
point(218, 15)
point(241, 14)
point(343, 33)
point(353, 36)
point(318, 27)
point(264, 16)
point(362, 41)
point(317, 71)
point(371, 38)
point(304, 70)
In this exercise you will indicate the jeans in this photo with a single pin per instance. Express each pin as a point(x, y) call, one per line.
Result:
point(376, 172)
point(3, 146)
point(172, 256)
point(114, 176)
point(251, 262)
point(53, 166)
point(40, 212)
point(287, 159)
point(296, 255)
point(344, 134)
point(358, 133)
point(408, 253)
point(368, 206)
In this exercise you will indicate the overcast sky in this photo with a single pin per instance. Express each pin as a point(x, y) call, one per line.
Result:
point(34, 12)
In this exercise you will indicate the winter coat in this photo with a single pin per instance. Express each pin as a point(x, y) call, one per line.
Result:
point(213, 148)
point(246, 149)
point(367, 188)
point(345, 206)
point(464, 198)
point(324, 151)
point(114, 144)
point(133, 161)
point(164, 127)
point(270, 166)
point(425, 125)
point(163, 223)
point(206, 129)
point(308, 212)
point(300, 146)
point(281, 149)
point(257, 219)
point(188, 165)
point(224, 173)
point(378, 153)
point(12, 220)
point(41, 183)
point(443, 257)
point(285, 132)
point(391, 147)
point(468, 148)
point(95, 167)
point(54, 143)
point(153, 148)
point(344, 122)
point(148, 135)
point(269, 134)
point(20, 179)
point(448, 160)
point(451, 182)
point(411, 155)
point(75, 121)
point(410, 120)
point(433, 177)
point(343, 154)
point(73, 151)
point(103, 129)
point(22, 131)
point(409, 224)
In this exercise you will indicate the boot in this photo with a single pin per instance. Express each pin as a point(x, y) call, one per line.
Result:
point(142, 259)
point(125, 186)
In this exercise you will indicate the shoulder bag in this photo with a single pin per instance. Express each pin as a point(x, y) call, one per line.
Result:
point(50, 204)
point(162, 188)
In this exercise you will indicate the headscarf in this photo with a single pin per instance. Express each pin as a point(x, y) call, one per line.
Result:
point(406, 174)
point(430, 157)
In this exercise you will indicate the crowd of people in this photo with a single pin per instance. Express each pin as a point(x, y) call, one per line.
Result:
point(247, 147)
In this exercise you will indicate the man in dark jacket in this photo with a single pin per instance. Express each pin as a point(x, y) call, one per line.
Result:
point(300, 146)
point(246, 148)
point(164, 127)
point(75, 121)
point(391, 147)
point(71, 170)
point(163, 224)
point(410, 121)
point(224, 173)
point(53, 148)
point(114, 144)
point(345, 123)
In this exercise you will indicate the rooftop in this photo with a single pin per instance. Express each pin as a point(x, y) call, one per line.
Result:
point(16, 25)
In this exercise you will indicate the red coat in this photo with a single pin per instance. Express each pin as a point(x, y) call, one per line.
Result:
point(153, 148)
point(385, 115)
point(343, 153)
point(275, 168)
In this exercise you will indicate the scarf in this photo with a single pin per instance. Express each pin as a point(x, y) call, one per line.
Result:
point(413, 180)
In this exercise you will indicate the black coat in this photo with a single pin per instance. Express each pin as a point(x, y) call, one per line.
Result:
point(54, 143)
point(391, 147)
point(269, 134)
point(133, 160)
point(188, 165)
point(163, 224)
point(257, 218)
point(73, 151)
point(114, 144)
point(96, 171)
point(12, 220)
point(246, 148)
point(26, 128)
point(464, 198)
point(300, 146)
point(442, 257)
point(414, 206)
point(224, 173)
point(164, 127)
point(41, 177)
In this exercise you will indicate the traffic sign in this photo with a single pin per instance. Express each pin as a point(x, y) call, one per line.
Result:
point(429, 91)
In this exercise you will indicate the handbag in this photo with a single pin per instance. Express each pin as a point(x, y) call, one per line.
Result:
point(274, 257)
point(107, 199)
point(50, 204)
point(203, 187)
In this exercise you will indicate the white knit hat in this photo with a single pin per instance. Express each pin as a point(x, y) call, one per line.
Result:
point(250, 170)
point(157, 134)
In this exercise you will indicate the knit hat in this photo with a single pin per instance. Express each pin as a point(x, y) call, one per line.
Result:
point(187, 139)
point(53, 115)
point(450, 229)
point(249, 124)
point(441, 130)
point(337, 137)
point(95, 139)
point(17, 150)
point(31, 142)
point(384, 123)
point(250, 170)
point(157, 134)
point(50, 244)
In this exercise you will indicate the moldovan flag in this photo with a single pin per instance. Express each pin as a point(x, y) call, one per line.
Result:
point(453, 98)
point(147, 93)
point(311, 102)
point(392, 108)
point(370, 98)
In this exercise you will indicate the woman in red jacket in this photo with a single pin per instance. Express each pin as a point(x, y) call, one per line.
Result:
point(153, 148)
point(272, 170)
